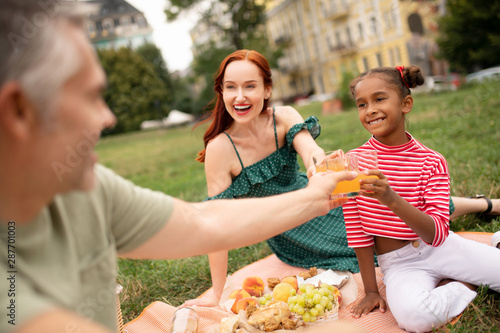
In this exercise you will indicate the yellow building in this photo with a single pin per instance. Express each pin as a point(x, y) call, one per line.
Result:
point(323, 39)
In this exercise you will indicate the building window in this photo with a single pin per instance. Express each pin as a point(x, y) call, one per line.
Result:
point(398, 55)
point(91, 28)
point(338, 40)
point(107, 25)
point(333, 75)
point(387, 20)
point(391, 57)
point(349, 37)
point(373, 26)
point(360, 31)
point(329, 43)
point(379, 59)
point(365, 64)
point(124, 20)
point(141, 21)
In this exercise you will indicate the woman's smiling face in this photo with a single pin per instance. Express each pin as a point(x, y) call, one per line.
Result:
point(243, 90)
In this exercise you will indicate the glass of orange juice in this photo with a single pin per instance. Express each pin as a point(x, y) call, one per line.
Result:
point(366, 160)
point(358, 161)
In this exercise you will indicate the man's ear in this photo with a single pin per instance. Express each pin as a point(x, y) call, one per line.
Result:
point(17, 113)
point(407, 104)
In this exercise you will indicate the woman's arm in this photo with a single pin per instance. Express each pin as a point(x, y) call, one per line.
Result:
point(218, 271)
point(303, 143)
point(218, 178)
point(372, 297)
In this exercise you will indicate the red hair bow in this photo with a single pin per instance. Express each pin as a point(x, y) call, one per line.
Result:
point(400, 69)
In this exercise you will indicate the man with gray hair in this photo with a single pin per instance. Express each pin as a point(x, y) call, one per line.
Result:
point(64, 218)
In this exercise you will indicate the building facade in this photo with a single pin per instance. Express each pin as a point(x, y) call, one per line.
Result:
point(115, 24)
point(323, 39)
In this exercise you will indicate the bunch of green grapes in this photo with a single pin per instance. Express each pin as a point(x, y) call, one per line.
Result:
point(265, 299)
point(312, 302)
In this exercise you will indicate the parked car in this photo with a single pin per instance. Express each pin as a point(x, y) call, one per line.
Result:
point(492, 73)
point(450, 81)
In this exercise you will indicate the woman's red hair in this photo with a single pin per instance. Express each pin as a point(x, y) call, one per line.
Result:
point(221, 120)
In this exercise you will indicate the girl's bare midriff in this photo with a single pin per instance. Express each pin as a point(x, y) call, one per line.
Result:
point(385, 245)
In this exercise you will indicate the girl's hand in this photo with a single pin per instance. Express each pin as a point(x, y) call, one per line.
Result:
point(367, 304)
point(377, 188)
point(207, 300)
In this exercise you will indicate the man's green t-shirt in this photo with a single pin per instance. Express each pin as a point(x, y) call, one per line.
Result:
point(67, 256)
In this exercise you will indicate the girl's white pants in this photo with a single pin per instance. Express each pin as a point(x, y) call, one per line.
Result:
point(412, 273)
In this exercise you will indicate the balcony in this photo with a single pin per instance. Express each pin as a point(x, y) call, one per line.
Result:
point(345, 50)
point(283, 40)
point(338, 15)
point(285, 66)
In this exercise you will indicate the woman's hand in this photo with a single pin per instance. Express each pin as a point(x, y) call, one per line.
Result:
point(377, 188)
point(367, 304)
point(207, 300)
point(311, 171)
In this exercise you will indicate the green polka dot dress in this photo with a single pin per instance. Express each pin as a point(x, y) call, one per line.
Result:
point(321, 242)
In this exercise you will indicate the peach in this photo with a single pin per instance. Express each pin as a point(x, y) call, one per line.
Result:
point(281, 291)
point(338, 295)
point(291, 280)
point(237, 294)
point(243, 303)
point(253, 285)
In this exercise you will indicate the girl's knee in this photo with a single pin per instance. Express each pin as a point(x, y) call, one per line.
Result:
point(417, 315)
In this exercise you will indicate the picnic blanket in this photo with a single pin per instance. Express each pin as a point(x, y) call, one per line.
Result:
point(156, 318)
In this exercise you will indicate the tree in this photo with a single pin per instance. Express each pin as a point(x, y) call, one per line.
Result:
point(238, 20)
point(135, 93)
point(205, 66)
point(470, 34)
point(241, 24)
point(152, 54)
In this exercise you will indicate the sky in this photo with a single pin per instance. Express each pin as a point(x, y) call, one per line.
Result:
point(172, 38)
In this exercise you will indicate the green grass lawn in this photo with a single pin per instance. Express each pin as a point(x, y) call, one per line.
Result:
point(464, 126)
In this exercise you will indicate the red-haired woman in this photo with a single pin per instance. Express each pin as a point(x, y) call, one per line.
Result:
point(251, 151)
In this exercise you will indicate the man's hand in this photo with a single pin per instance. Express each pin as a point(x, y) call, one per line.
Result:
point(326, 183)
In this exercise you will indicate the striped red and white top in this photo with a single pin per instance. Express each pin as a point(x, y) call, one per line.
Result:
point(416, 173)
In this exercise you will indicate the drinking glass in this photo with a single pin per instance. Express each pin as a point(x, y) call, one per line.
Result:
point(358, 161)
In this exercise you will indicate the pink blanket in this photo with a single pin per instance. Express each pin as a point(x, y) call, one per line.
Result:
point(156, 318)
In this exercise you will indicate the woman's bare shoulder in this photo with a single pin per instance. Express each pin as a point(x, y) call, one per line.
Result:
point(288, 116)
point(219, 145)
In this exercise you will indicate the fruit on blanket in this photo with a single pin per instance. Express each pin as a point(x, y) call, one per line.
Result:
point(253, 285)
point(265, 299)
point(237, 294)
point(291, 280)
point(314, 302)
point(303, 286)
point(282, 291)
point(337, 294)
point(243, 303)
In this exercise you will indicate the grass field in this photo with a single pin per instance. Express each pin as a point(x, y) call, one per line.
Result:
point(464, 126)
